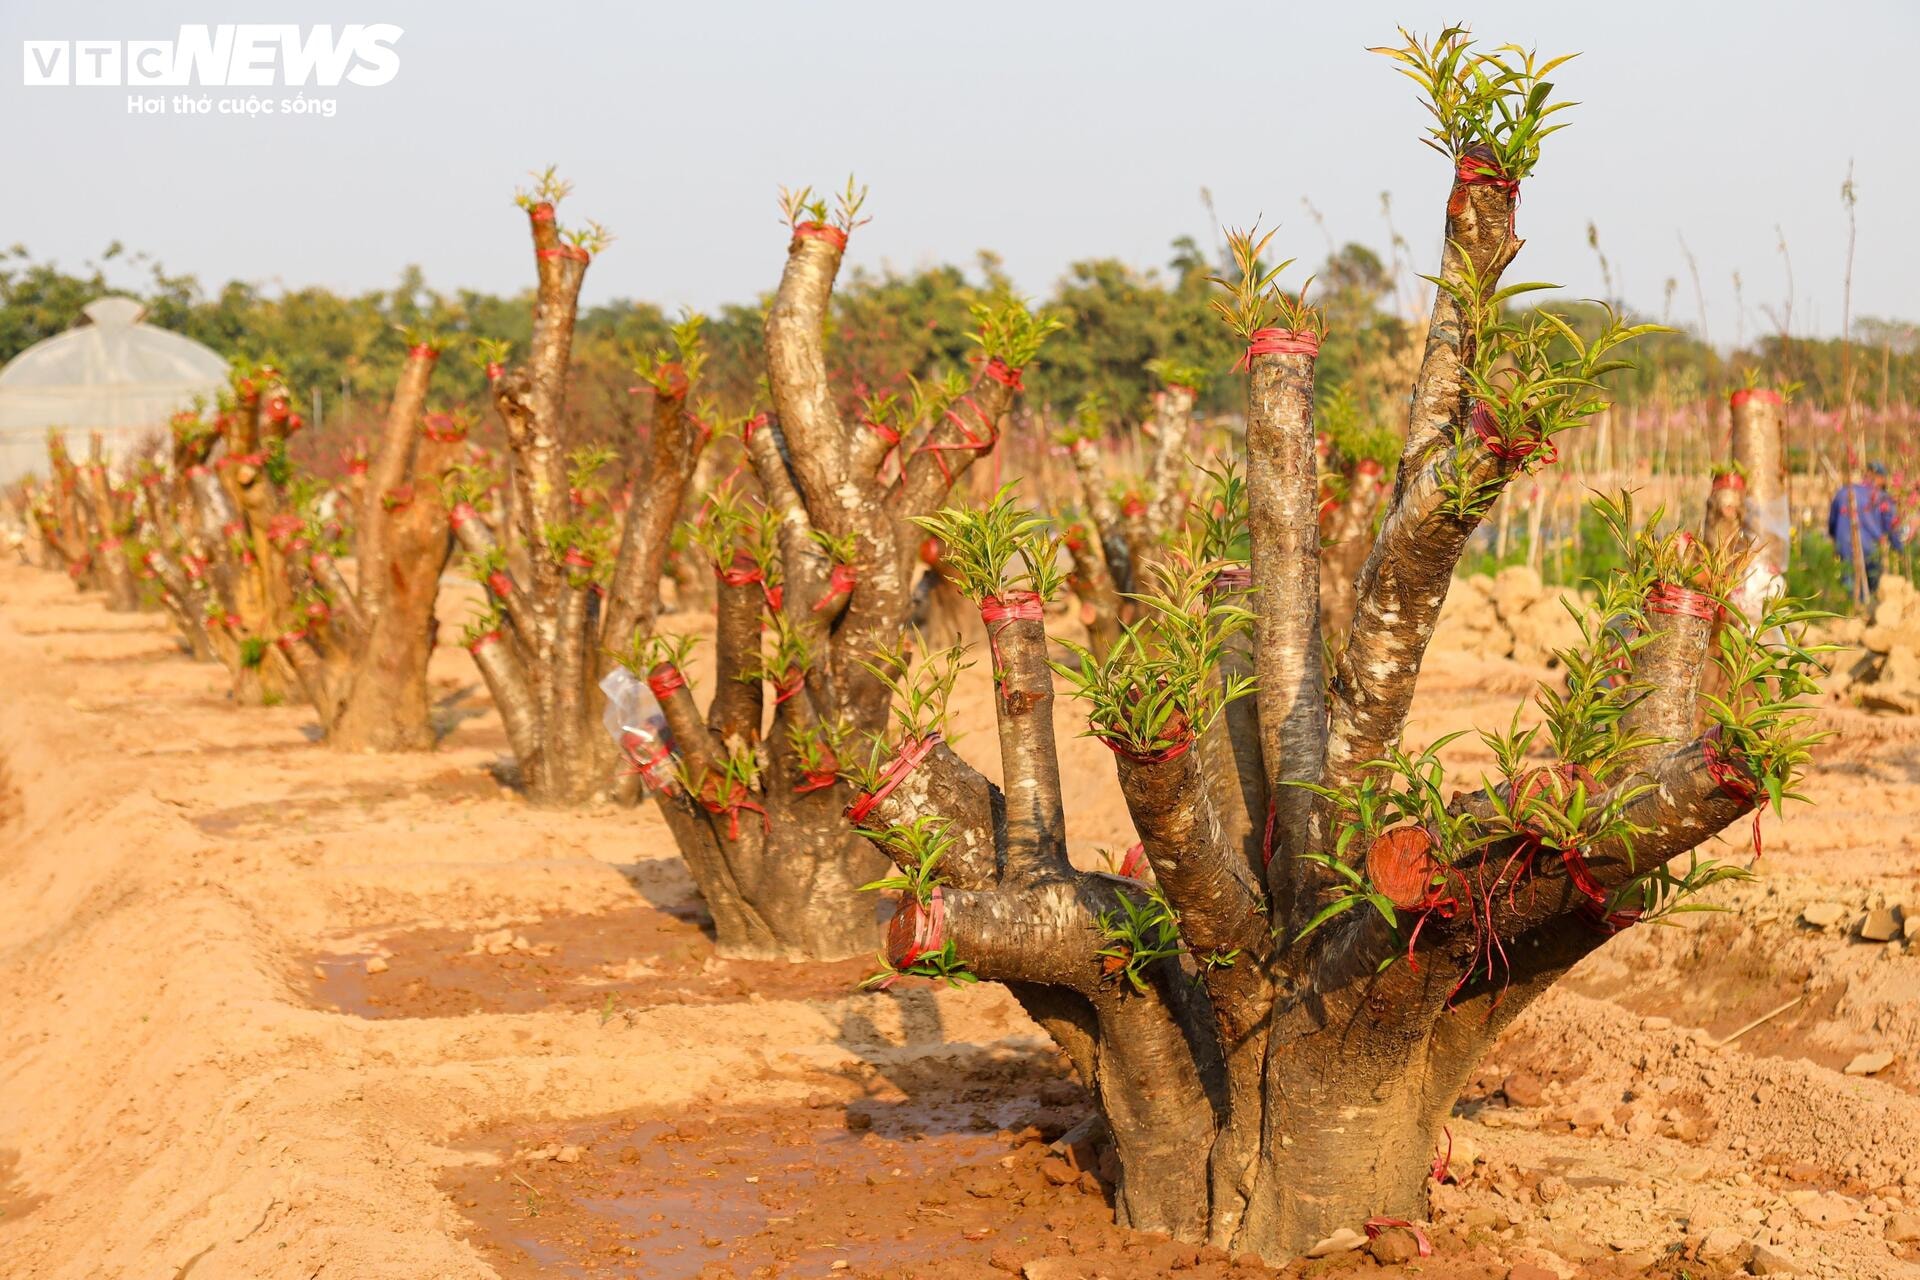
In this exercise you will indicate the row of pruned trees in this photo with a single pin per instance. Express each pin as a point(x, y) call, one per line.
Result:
point(1277, 996)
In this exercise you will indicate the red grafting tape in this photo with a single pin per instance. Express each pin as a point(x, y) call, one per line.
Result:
point(1015, 606)
point(1171, 752)
point(423, 351)
point(1730, 480)
point(1134, 865)
point(903, 764)
point(397, 497)
point(575, 558)
point(736, 801)
point(494, 370)
point(1475, 172)
point(290, 639)
point(840, 582)
point(743, 572)
point(1278, 342)
point(1004, 374)
point(461, 513)
point(484, 639)
point(1678, 601)
point(929, 928)
point(1732, 777)
point(815, 780)
point(1765, 395)
point(500, 583)
point(752, 425)
point(542, 212)
point(968, 443)
point(666, 680)
point(834, 236)
point(789, 686)
point(357, 467)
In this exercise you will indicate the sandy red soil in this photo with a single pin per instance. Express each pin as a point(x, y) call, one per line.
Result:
point(270, 1011)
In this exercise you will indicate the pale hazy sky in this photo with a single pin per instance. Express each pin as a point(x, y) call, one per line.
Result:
point(1046, 131)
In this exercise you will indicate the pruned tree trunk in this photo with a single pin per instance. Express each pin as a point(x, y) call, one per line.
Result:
point(1277, 1025)
point(1748, 511)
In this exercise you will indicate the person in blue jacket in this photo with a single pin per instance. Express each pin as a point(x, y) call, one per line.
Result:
point(1879, 523)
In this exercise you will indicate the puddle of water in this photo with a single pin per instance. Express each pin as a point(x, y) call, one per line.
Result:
point(632, 958)
point(902, 1175)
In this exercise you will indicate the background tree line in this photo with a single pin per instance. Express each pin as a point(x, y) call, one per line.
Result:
point(1118, 316)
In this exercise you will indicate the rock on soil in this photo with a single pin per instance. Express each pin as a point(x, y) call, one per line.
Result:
point(1884, 674)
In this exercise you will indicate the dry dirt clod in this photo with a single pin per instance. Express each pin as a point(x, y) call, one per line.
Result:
point(376, 964)
point(1770, 1262)
point(1394, 1246)
point(1824, 915)
point(1903, 1228)
point(1879, 925)
point(1524, 1089)
point(1870, 1063)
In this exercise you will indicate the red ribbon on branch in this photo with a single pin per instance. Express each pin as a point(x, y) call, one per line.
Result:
point(1134, 865)
point(736, 801)
point(968, 442)
point(745, 572)
point(1278, 342)
point(666, 679)
point(423, 351)
point(835, 236)
point(929, 928)
point(815, 780)
point(542, 212)
point(396, 498)
point(1471, 171)
point(1730, 480)
point(789, 685)
point(501, 583)
point(1015, 606)
point(1727, 770)
point(1764, 395)
point(840, 582)
point(461, 513)
point(1004, 374)
point(911, 754)
point(1172, 751)
point(576, 558)
point(484, 639)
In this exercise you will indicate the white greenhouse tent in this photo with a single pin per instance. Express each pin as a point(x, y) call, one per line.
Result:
point(109, 373)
